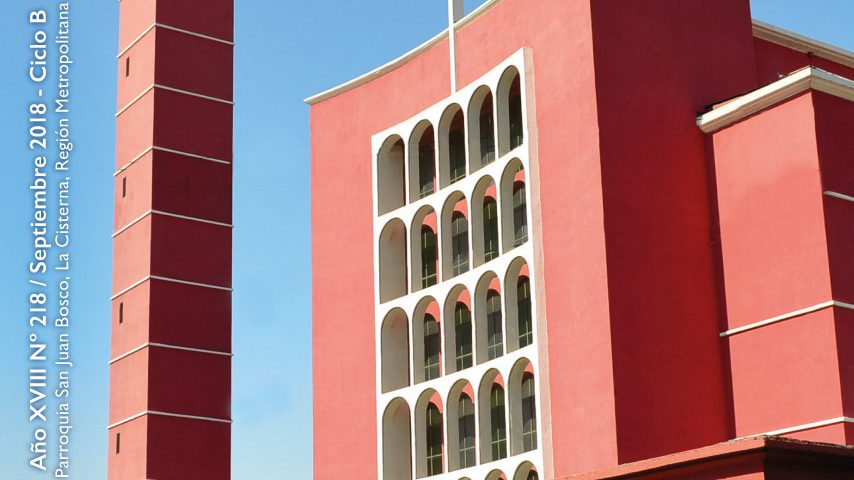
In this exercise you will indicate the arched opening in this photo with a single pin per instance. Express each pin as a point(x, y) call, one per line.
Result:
point(526, 471)
point(459, 335)
point(459, 244)
point(496, 475)
point(514, 206)
point(427, 341)
point(391, 190)
point(461, 427)
point(396, 444)
point(523, 408)
point(455, 236)
point(422, 161)
point(429, 435)
point(511, 129)
point(394, 349)
point(392, 259)
point(424, 243)
point(488, 318)
point(484, 220)
point(493, 417)
point(452, 146)
point(519, 318)
point(481, 128)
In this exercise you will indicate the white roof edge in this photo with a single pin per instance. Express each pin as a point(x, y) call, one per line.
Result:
point(757, 100)
point(399, 61)
point(761, 30)
point(800, 43)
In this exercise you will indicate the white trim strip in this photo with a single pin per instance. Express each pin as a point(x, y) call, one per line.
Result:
point(171, 89)
point(167, 414)
point(193, 94)
point(799, 428)
point(800, 43)
point(136, 40)
point(200, 35)
point(169, 150)
point(174, 29)
point(786, 316)
point(838, 195)
point(173, 347)
point(173, 215)
point(135, 99)
point(757, 100)
point(167, 279)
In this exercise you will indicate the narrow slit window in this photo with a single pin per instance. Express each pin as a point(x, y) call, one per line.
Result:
point(466, 429)
point(495, 334)
point(459, 244)
point(523, 312)
point(118, 443)
point(428, 257)
point(432, 348)
point(121, 313)
point(435, 445)
point(490, 229)
point(463, 333)
point(124, 186)
point(127, 67)
point(498, 424)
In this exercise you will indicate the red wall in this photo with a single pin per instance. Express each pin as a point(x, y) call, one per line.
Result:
point(634, 365)
point(786, 246)
point(160, 380)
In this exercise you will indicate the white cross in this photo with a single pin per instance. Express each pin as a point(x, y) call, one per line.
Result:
point(455, 13)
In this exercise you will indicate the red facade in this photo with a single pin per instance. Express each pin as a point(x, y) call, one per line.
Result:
point(170, 393)
point(658, 241)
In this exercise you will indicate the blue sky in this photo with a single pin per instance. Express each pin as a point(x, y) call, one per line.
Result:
point(286, 51)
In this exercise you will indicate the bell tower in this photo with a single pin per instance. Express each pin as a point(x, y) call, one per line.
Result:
point(170, 367)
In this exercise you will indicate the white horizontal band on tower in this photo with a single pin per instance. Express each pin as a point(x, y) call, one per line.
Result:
point(168, 150)
point(173, 215)
point(174, 29)
point(167, 279)
point(786, 316)
point(173, 347)
point(800, 428)
point(167, 414)
point(171, 89)
point(838, 195)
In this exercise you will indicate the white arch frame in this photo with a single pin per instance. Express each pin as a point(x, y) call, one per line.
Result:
point(414, 299)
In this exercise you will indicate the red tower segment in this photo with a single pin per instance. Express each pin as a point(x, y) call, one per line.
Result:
point(170, 408)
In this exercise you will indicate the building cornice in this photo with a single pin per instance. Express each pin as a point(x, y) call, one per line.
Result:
point(762, 98)
point(401, 60)
point(802, 44)
point(761, 30)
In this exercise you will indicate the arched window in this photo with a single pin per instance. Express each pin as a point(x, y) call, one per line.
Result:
point(428, 257)
point(520, 215)
point(463, 336)
point(514, 102)
point(494, 325)
point(529, 413)
point(487, 131)
point(498, 424)
point(490, 229)
point(434, 440)
point(466, 431)
point(459, 244)
point(523, 313)
point(426, 164)
point(432, 347)
point(533, 476)
point(457, 147)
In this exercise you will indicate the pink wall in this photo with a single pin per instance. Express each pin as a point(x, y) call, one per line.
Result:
point(623, 185)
